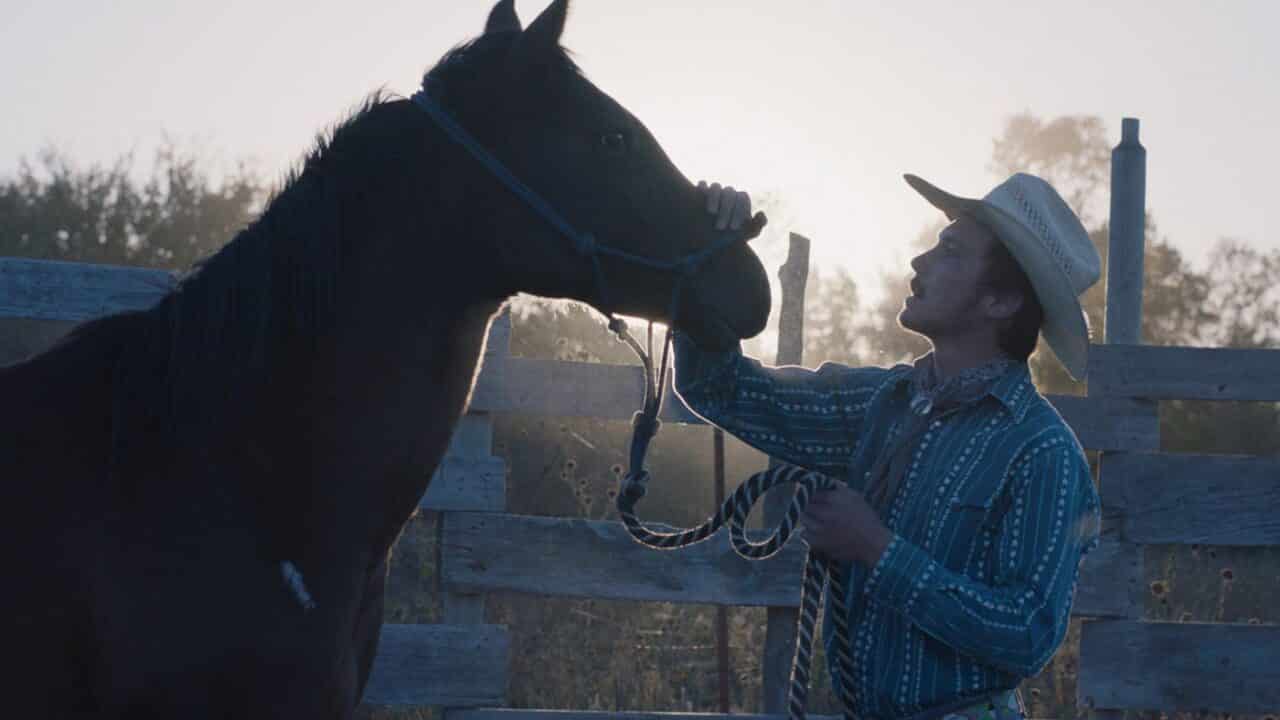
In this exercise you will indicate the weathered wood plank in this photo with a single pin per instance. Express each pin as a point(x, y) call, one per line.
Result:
point(1103, 423)
point(52, 290)
point(473, 439)
point(1110, 581)
point(454, 665)
point(469, 484)
point(1188, 373)
point(39, 289)
point(1175, 498)
point(1180, 666)
point(569, 389)
point(580, 558)
point(576, 389)
point(780, 622)
point(598, 559)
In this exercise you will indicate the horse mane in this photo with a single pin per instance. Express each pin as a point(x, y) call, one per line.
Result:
point(281, 276)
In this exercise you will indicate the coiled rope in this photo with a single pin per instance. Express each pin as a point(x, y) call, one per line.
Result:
point(820, 571)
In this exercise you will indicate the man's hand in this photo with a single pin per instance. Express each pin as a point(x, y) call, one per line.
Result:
point(732, 208)
point(841, 524)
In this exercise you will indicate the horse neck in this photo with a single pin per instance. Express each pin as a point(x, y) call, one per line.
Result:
point(385, 386)
point(367, 358)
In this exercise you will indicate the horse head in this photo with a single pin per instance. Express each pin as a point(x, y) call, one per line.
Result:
point(517, 91)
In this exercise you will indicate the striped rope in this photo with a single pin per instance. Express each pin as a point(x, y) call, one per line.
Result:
point(819, 569)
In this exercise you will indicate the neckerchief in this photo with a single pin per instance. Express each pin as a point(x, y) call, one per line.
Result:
point(930, 400)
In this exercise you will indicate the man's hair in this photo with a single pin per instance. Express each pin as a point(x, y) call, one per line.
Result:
point(1005, 276)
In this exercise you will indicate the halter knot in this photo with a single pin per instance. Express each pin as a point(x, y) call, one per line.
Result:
point(633, 488)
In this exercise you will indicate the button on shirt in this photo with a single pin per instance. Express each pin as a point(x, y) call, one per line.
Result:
point(994, 512)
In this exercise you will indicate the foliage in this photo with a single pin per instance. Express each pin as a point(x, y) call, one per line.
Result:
point(56, 211)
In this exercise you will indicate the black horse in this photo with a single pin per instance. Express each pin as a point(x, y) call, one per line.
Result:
point(200, 498)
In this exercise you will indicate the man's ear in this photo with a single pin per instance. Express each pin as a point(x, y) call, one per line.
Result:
point(1002, 306)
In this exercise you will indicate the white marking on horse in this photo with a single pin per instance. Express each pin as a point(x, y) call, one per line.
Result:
point(293, 578)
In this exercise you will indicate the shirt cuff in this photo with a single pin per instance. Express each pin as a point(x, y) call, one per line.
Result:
point(899, 576)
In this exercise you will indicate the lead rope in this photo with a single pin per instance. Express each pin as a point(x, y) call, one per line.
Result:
point(820, 571)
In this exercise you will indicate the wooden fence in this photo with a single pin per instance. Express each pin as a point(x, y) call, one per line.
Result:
point(1149, 497)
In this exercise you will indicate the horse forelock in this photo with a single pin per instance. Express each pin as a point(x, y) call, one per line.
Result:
point(459, 67)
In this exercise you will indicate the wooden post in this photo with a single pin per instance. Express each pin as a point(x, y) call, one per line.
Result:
point(1125, 248)
point(722, 612)
point(780, 634)
point(1126, 243)
point(472, 438)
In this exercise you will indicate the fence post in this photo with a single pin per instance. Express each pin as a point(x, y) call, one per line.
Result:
point(1125, 248)
point(472, 438)
point(780, 634)
point(1126, 243)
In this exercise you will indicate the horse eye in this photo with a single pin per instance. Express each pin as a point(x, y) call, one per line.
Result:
point(614, 142)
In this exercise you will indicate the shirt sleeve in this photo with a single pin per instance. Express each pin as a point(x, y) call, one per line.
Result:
point(809, 418)
point(1017, 623)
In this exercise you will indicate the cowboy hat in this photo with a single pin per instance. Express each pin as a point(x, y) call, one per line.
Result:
point(1050, 244)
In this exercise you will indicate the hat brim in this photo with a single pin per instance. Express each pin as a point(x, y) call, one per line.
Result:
point(1065, 328)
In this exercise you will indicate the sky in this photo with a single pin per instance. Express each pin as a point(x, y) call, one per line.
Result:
point(815, 106)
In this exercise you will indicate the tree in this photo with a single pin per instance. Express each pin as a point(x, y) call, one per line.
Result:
point(57, 211)
point(1243, 297)
point(831, 308)
point(1070, 152)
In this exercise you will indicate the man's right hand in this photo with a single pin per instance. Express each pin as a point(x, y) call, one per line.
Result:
point(732, 208)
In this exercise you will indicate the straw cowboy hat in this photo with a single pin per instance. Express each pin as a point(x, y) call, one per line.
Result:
point(1048, 241)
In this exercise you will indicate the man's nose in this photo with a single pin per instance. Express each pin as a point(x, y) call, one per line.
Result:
point(917, 263)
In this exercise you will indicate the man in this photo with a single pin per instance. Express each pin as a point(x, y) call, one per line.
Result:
point(969, 502)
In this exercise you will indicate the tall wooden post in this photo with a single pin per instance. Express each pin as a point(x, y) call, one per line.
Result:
point(780, 634)
point(473, 438)
point(1125, 249)
point(1126, 243)
point(722, 612)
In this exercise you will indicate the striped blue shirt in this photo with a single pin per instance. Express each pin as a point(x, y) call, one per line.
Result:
point(996, 510)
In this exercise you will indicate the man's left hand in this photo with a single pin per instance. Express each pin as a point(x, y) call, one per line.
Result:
point(732, 208)
point(841, 524)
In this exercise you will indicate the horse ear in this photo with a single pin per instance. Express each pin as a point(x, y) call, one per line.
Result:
point(503, 18)
point(544, 33)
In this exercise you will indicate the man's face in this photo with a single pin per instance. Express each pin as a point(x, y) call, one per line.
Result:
point(946, 292)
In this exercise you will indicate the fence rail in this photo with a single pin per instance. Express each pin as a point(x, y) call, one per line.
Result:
point(1183, 499)
point(62, 291)
point(1184, 373)
point(457, 665)
point(1230, 668)
point(484, 552)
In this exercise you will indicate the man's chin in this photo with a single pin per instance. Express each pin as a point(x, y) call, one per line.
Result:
point(906, 321)
point(913, 325)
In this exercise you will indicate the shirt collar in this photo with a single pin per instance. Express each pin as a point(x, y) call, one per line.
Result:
point(1014, 389)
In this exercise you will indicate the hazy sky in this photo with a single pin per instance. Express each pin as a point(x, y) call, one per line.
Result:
point(823, 104)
